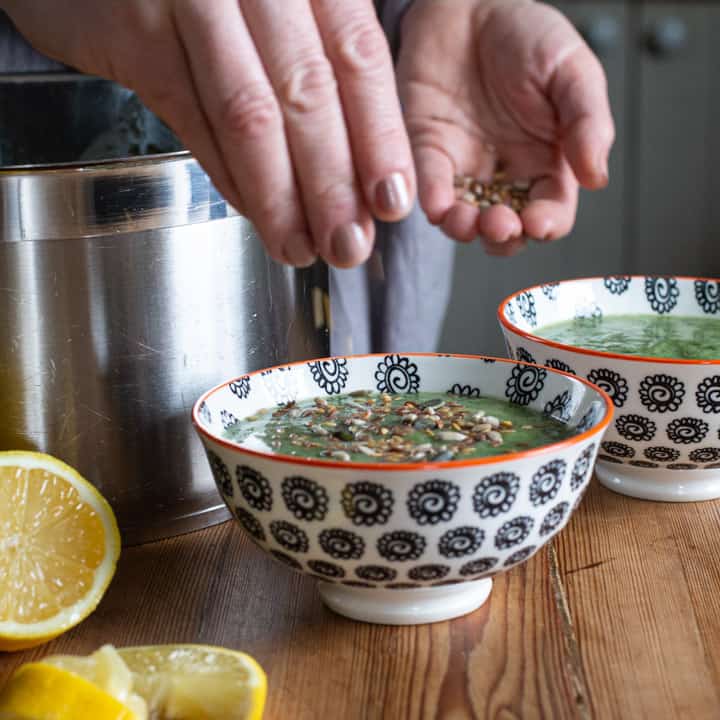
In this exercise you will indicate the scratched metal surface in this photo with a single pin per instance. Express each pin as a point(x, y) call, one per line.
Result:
point(126, 289)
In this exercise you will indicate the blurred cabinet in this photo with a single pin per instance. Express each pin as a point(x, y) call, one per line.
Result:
point(661, 212)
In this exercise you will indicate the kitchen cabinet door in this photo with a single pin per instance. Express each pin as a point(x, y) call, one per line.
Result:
point(674, 221)
point(596, 245)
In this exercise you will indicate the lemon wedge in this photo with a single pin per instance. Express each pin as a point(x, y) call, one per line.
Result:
point(59, 545)
point(41, 691)
point(161, 682)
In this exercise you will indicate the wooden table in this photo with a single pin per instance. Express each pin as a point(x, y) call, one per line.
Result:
point(618, 618)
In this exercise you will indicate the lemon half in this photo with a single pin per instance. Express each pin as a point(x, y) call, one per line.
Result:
point(59, 545)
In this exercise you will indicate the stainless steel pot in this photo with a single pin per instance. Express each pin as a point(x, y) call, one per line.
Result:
point(126, 288)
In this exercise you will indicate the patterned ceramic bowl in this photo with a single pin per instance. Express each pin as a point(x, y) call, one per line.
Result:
point(664, 441)
point(408, 543)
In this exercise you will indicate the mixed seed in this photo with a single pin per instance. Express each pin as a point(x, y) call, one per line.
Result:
point(498, 191)
point(367, 426)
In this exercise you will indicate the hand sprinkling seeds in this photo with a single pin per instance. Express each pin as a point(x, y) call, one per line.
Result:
point(485, 194)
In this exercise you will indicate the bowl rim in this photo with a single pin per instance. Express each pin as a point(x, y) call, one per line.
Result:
point(385, 467)
point(507, 324)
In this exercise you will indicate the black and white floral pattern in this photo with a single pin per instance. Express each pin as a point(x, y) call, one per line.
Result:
point(304, 498)
point(495, 494)
point(326, 569)
point(367, 503)
point(618, 450)
point(612, 383)
point(707, 294)
point(510, 312)
point(286, 559)
point(250, 523)
point(400, 545)
point(220, 473)
point(429, 572)
point(556, 364)
point(289, 536)
point(358, 584)
point(610, 459)
point(523, 356)
point(341, 544)
point(661, 393)
point(520, 555)
point(549, 290)
point(397, 374)
point(330, 375)
point(708, 394)
point(376, 573)
point(461, 541)
point(254, 487)
point(204, 412)
point(433, 501)
point(526, 305)
point(514, 532)
point(617, 284)
point(227, 419)
point(546, 482)
point(660, 453)
point(705, 455)
point(559, 407)
point(554, 518)
point(240, 387)
point(478, 567)
point(635, 427)
point(464, 391)
point(643, 464)
point(662, 293)
point(687, 430)
point(524, 384)
point(581, 468)
point(590, 418)
point(402, 586)
point(682, 466)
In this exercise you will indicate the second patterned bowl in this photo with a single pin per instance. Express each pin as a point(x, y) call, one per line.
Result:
point(404, 543)
point(664, 443)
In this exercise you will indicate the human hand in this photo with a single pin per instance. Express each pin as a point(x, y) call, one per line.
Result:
point(290, 106)
point(505, 85)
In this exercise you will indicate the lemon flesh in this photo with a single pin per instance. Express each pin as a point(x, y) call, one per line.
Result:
point(59, 545)
point(161, 682)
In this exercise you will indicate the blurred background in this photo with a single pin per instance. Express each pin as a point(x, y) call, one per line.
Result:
point(661, 212)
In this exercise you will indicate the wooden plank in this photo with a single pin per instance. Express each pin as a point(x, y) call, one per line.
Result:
point(641, 579)
point(509, 659)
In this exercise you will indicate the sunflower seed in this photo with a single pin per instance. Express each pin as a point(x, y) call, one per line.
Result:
point(451, 436)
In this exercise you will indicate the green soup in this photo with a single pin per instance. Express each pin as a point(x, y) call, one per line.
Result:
point(661, 336)
point(369, 427)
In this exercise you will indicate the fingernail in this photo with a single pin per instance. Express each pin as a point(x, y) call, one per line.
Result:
point(299, 251)
point(349, 245)
point(392, 196)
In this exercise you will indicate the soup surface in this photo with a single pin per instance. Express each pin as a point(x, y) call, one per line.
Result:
point(661, 336)
point(418, 427)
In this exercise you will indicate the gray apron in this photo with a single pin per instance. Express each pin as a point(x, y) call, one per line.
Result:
point(396, 301)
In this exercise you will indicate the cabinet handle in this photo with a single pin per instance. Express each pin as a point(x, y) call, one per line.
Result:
point(602, 34)
point(667, 37)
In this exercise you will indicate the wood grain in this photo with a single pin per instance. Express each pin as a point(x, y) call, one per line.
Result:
point(620, 618)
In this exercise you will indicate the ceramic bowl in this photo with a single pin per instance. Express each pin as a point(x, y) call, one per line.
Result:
point(664, 441)
point(404, 543)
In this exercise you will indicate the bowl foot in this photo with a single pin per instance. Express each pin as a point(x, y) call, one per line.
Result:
point(659, 483)
point(406, 607)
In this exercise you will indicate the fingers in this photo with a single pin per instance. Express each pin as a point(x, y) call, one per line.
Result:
point(508, 249)
point(240, 102)
point(302, 77)
point(360, 56)
point(550, 214)
point(578, 91)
